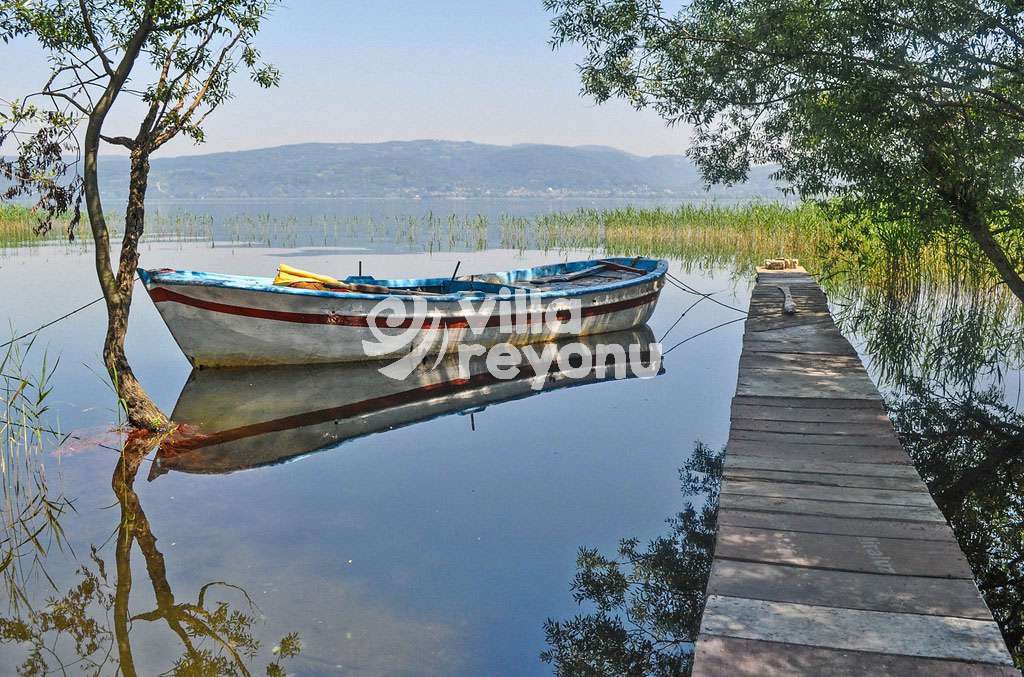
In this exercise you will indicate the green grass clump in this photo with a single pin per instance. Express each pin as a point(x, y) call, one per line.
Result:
point(17, 225)
point(20, 227)
point(739, 236)
point(30, 511)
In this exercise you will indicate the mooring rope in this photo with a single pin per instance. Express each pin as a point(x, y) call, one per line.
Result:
point(51, 323)
point(683, 286)
point(690, 338)
point(690, 290)
point(680, 318)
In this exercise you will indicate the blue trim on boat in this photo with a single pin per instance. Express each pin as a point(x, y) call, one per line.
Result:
point(657, 269)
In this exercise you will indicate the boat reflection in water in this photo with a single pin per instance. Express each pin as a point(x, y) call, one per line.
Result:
point(234, 419)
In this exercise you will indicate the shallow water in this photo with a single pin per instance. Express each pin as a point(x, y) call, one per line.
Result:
point(436, 547)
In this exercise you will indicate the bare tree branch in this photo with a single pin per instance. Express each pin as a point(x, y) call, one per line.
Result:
point(119, 140)
point(216, 9)
point(180, 121)
point(87, 22)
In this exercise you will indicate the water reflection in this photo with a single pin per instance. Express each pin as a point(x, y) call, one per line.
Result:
point(952, 333)
point(233, 419)
point(942, 350)
point(969, 448)
point(647, 600)
point(88, 629)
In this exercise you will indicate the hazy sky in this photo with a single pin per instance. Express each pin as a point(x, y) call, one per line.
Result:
point(395, 69)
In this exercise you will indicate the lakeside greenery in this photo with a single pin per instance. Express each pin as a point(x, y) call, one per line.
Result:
point(706, 235)
point(17, 226)
point(740, 237)
point(843, 252)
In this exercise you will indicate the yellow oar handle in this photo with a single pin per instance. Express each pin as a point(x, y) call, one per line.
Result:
point(286, 274)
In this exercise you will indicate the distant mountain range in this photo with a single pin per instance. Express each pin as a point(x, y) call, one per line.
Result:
point(424, 169)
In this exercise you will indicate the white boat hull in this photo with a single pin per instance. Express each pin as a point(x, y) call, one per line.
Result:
point(222, 325)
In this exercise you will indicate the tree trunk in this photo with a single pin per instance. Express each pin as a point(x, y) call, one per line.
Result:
point(963, 201)
point(135, 528)
point(135, 449)
point(140, 409)
point(988, 244)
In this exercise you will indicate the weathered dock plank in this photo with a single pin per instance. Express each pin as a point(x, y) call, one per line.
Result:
point(826, 508)
point(828, 480)
point(829, 627)
point(822, 468)
point(867, 554)
point(832, 524)
point(820, 452)
point(818, 492)
point(833, 427)
point(831, 557)
point(849, 589)
point(745, 657)
point(865, 438)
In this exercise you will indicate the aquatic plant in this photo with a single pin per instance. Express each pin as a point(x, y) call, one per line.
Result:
point(30, 510)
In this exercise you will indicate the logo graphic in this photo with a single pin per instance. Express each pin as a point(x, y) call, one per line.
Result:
point(512, 332)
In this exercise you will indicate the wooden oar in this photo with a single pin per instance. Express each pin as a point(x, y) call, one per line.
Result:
point(621, 266)
point(294, 277)
point(569, 277)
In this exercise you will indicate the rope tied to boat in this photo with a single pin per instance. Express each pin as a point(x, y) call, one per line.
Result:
point(50, 323)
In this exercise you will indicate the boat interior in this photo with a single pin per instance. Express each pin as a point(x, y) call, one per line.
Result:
point(562, 276)
point(568, 276)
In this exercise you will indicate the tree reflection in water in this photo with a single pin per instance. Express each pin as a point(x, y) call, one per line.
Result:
point(936, 347)
point(951, 334)
point(87, 630)
point(648, 600)
point(969, 448)
point(941, 349)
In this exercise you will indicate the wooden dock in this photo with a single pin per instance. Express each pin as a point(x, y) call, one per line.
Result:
point(831, 557)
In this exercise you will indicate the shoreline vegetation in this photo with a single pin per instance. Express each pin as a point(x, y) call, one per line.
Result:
point(699, 235)
point(884, 283)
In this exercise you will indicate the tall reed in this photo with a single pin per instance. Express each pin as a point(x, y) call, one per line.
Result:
point(30, 509)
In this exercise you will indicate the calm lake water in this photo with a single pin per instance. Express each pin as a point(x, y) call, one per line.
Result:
point(419, 543)
point(438, 547)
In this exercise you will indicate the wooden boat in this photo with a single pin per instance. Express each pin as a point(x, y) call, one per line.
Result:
point(230, 320)
point(234, 419)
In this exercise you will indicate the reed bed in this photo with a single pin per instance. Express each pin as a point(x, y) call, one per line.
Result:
point(17, 226)
point(19, 229)
point(711, 234)
point(30, 509)
point(741, 237)
point(737, 237)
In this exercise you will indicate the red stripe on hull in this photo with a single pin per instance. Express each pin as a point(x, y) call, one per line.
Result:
point(164, 295)
point(173, 447)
